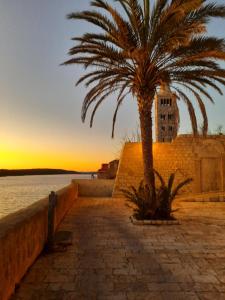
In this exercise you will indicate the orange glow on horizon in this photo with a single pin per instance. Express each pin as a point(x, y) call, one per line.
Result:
point(11, 158)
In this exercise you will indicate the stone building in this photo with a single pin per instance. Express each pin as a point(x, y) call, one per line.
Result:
point(166, 115)
point(108, 171)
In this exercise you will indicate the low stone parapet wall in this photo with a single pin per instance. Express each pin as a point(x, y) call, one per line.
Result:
point(95, 187)
point(24, 234)
point(66, 198)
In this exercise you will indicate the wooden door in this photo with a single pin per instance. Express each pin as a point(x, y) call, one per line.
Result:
point(210, 174)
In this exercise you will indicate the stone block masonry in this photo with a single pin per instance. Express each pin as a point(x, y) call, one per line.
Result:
point(23, 236)
point(95, 187)
point(202, 159)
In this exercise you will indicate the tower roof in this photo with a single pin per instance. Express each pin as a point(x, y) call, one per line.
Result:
point(164, 89)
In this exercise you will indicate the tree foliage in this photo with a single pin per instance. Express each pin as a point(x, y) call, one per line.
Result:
point(146, 45)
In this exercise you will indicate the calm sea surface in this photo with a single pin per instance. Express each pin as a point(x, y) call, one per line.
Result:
point(17, 192)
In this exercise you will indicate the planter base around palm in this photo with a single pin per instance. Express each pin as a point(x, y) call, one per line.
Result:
point(154, 222)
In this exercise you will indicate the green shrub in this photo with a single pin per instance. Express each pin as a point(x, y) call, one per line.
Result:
point(165, 194)
point(140, 198)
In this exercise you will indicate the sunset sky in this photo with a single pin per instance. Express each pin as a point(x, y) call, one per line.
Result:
point(40, 124)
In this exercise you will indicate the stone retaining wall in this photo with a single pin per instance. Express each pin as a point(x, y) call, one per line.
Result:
point(95, 187)
point(202, 159)
point(23, 236)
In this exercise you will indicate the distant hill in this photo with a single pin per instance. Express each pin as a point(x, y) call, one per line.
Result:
point(23, 172)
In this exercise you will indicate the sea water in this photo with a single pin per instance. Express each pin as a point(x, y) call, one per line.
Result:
point(17, 192)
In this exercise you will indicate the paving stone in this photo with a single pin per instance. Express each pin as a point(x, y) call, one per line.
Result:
point(205, 278)
point(197, 287)
point(111, 258)
point(163, 287)
point(180, 296)
point(211, 296)
point(144, 296)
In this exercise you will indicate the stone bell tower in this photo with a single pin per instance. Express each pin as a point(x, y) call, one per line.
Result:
point(166, 115)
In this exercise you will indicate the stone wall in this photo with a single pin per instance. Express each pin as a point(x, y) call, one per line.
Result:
point(95, 187)
point(202, 159)
point(23, 236)
point(108, 171)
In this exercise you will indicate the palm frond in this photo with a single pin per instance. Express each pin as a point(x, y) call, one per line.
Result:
point(143, 45)
point(160, 177)
point(190, 110)
point(180, 186)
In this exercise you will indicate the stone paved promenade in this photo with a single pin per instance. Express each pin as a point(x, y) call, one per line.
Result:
point(113, 259)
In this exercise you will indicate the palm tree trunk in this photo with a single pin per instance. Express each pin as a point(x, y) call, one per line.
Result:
point(145, 116)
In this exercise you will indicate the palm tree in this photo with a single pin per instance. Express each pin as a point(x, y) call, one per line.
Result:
point(143, 47)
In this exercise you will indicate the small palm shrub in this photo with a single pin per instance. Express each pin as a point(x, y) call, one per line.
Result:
point(140, 198)
point(165, 194)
